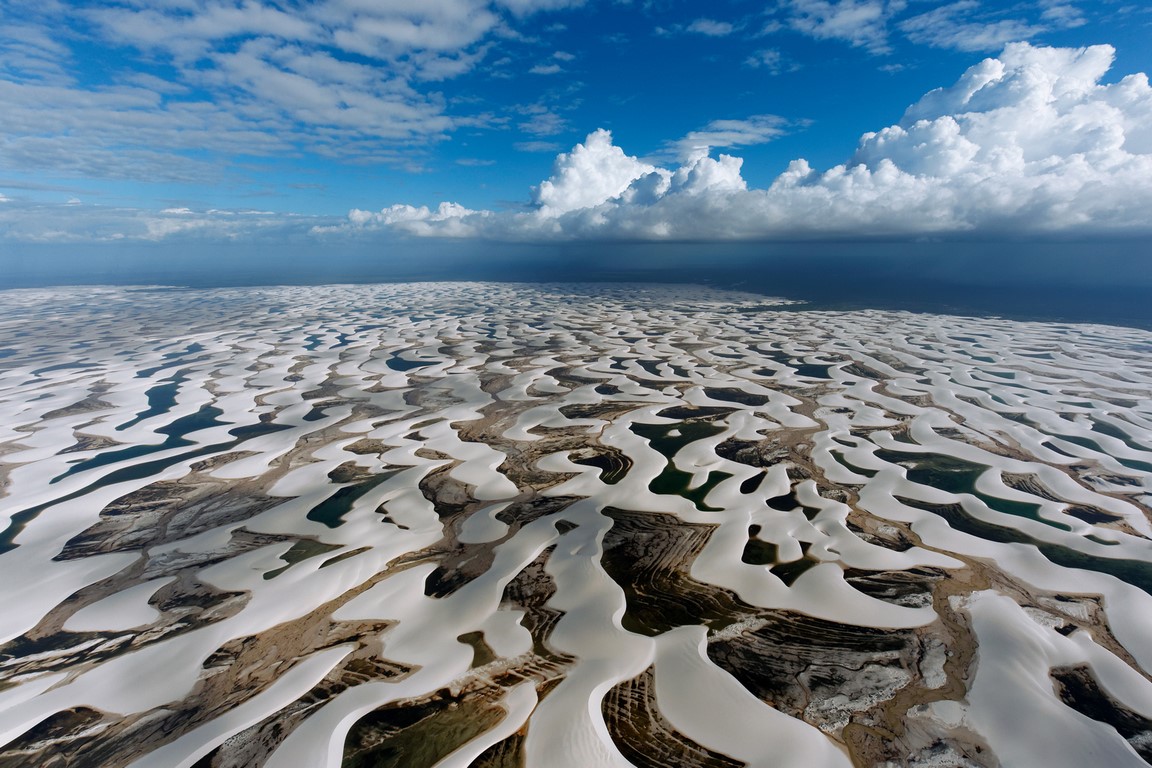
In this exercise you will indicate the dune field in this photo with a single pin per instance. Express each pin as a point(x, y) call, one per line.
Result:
point(496, 525)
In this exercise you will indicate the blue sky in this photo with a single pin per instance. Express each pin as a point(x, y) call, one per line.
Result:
point(156, 119)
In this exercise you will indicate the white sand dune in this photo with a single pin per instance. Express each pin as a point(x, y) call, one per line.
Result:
point(713, 709)
point(1011, 700)
point(124, 610)
point(413, 496)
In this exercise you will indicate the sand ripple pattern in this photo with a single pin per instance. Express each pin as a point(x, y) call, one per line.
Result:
point(554, 525)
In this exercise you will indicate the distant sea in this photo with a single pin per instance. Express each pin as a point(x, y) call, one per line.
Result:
point(1106, 281)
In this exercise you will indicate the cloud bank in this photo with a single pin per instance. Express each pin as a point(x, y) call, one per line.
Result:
point(1032, 141)
point(964, 25)
point(86, 223)
point(347, 81)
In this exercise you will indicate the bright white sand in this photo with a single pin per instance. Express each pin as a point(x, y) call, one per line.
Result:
point(186, 750)
point(1011, 700)
point(1018, 399)
point(121, 611)
point(710, 707)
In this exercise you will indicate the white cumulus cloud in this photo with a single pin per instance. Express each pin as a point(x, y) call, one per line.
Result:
point(445, 220)
point(1028, 142)
point(592, 173)
point(33, 222)
point(863, 23)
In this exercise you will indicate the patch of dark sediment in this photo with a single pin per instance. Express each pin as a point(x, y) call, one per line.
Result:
point(899, 729)
point(449, 496)
point(768, 660)
point(368, 447)
point(1092, 515)
point(506, 753)
point(841, 678)
point(572, 378)
point(911, 588)
point(649, 555)
point(167, 511)
point(1030, 484)
point(92, 402)
point(879, 532)
point(699, 412)
point(736, 395)
point(762, 453)
point(51, 742)
point(520, 464)
point(421, 731)
point(1078, 688)
point(457, 563)
point(236, 672)
point(87, 442)
point(612, 463)
point(1088, 514)
point(253, 745)
point(524, 511)
point(529, 591)
point(460, 563)
point(607, 411)
point(185, 604)
point(329, 389)
point(215, 462)
point(1135, 572)
point(645, 737)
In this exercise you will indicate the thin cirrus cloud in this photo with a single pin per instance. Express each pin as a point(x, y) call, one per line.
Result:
point(770, 60)
point(964, 25)
point(536, 146)
point(543, 123)
point(546, 69)
point(703, 26)
point(710, 27)
point(31, 222)
point(863, 23)
point(1028, 142)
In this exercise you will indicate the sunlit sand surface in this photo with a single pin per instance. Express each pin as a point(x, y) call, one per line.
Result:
point(498, 525)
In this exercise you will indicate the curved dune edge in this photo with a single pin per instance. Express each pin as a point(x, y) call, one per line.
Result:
point(479, 525)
